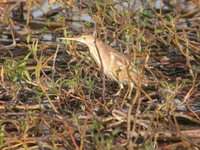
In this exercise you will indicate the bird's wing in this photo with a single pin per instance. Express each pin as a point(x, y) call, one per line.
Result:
point(120, 57)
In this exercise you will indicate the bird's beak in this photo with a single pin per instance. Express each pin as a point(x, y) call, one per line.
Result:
point(72, 39)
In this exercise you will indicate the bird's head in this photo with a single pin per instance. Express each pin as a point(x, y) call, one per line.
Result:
point(86, 39)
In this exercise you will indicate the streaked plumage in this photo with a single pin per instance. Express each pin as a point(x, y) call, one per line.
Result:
point(116, 65)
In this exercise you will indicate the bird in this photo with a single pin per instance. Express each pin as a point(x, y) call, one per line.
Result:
point(116, 65)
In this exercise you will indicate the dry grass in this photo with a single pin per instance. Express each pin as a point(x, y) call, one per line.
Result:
point(51, 90)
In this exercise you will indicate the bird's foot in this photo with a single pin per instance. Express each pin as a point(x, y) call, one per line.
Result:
point(118, 93)
point(130, 90)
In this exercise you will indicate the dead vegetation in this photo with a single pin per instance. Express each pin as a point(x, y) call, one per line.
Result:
point(51, 91)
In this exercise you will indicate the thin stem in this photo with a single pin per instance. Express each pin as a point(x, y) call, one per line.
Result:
point(102, 67)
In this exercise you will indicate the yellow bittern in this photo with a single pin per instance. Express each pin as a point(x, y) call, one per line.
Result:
point(116, 65)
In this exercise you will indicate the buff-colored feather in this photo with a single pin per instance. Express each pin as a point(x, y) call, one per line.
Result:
point(116, 65)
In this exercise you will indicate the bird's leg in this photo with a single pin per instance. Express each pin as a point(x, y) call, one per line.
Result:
point(130, 89)
point(120, 89)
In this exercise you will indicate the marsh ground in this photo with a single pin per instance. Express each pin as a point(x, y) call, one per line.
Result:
point(51, 91)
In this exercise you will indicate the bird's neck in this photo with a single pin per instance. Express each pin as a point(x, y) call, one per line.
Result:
point(96, 51)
